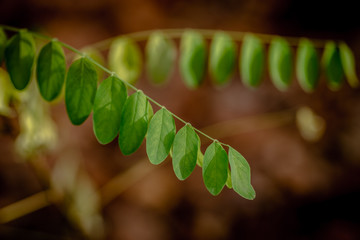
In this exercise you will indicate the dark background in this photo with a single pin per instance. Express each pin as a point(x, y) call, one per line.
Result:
point(304, 190)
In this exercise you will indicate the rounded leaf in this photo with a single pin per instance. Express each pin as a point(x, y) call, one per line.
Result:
point(252, 58)
point(280, 63)
point(185, 152)
point(240, 175)
point(348, 62)
point(133, 123)
point(3, 40)
point(125, 59)
point(96, 55)
point(110, 98)
point(307, 65)
point(215, 168)
point(160, 57)
point(80, 90)
point(332, 65)
point(160, 136)
point(192, 58)
point(222, 58)
point(51, 70)
point(19, 58)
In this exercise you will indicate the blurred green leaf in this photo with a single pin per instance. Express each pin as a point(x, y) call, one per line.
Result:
point(252, 58)
point(185, 152)
point(51, 70)
point(133, 123)
point(280, 63)
point(215, 168)
point(222, 58)
point(19, 58)
point(332, 65)
point(240, 175)
point(7, 91)
point(80, 90)
point(160, 57)
point(192, 58)
point(160, 136)
point(108, 105)
point(348, 63)
point(125, 59)
point(307, 65)
point(3, 40)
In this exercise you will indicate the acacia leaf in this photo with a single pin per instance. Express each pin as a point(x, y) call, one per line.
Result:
point(240, 175)
point(307, 65)
point(160, 57)
point(252, 58)
point(331, 62)
point(348, 63)
point(19, 58)
point(192, 58)
point(51, 70)
point(80, 90)
point(215, 168)
point(160, 136)
point(110, 98)
point(125, 59)
point(133, 123)
point(280, 63)
point(185, 152)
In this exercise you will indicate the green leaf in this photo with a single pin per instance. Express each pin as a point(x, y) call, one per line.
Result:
point(240, 175)
point(228, 180)
point(133, 123)
point(19, 58)
point(215, 168)
point(108, 105)
point(222, 58)
point(80, 90)
point(185, 152)
point(7, 92)
point(252, 58)
point(160, 57)
point(3, 40)
point(348, 63)
point(192, 58)
point(332, 65)
point(125, 59)
point(96, 55)
point(307, 65)
point(51, 70)
point(280, 63)
point(160, 136)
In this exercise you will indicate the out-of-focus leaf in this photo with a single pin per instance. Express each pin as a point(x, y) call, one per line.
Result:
point(160, 57)
point(160, 136)
point(348, 63)
point(332, 65)
point(133, 123)
point(80, 90)
point(125, 59)
point(51, 70)
point(19, 58)
point(185, 152)
point(280, 63)
point(108, 105)
point(7, 91)
point(192, 58)
point(307, 65)
point(215, 168)
point(240, 175)
point(3, 40)
point(311, 126)
point(222, 58)
point(252, 61)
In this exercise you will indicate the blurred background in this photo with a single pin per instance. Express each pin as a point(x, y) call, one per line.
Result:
point(305, 190)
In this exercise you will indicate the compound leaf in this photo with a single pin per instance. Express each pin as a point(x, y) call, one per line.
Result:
point(348, 63)
point(240, 175)
point(160, 57)
point(192, 58)
point(160, 136)
point(215, 168)
point(51, 70)
point(133, 123)
point(108, 105)
point(19, 58)
point(185, 152)
point(307, 65)
point(332, 65)
point(80, 90)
